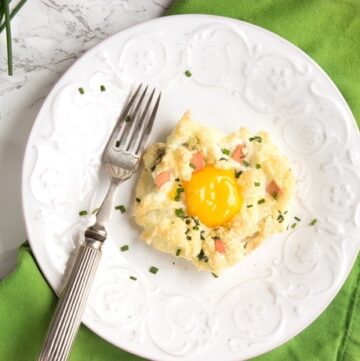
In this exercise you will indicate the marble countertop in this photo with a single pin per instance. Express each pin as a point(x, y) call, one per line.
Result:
point(48, 37)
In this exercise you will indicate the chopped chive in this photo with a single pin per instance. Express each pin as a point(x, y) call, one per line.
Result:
point(188, 221)
point(95, 210)
point(293, 225)
point(225, 151)
point(178, 193)
point(202, 235)
point(261, 201)
point(188, 73)
point(117, 143)
point(177, 179)
point(121, 208)
point(153, 270)
point(313, 222)
point(124, 248)
point(280, 218)
point(258, 166)
point(249, 206)
point(202, 257)
point(223, 159)
point(275, 196)
point(138, 200)
point(179, 212)
point(215, 275)
point(285, 212)
point(187, 231)
point(83, 213)
point(297, 219)
point(238, 174)
point(193, 166)
point(196, 228)
point(133, 278)
point(188, 238)
point(256, 138)
point(257, 184)
point(102, 88)
point(178, 252)
point(196, 221)
point(128, 118)
point(246, 164)
point(81, 91)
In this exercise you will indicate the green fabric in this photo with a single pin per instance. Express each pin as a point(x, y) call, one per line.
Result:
point(26, 307)
point(328, 31)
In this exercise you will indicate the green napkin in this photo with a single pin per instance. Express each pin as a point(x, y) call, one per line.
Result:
point(328, 31)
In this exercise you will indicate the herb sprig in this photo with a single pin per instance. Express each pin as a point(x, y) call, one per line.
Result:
point(5, 17)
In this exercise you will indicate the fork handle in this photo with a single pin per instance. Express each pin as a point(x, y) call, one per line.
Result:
point(69, 310)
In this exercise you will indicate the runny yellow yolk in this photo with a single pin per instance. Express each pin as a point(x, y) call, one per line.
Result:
point(213, 196)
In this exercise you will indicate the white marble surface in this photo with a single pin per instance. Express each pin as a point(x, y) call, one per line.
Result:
point(48, 36)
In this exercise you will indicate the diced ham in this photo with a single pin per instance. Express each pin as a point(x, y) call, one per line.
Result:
point(273, 189)
point(162, 178)
point(219, 246)
point(238, 154)
point(198, 161)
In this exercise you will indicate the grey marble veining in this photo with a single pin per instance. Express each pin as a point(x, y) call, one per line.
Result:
point(48, 36)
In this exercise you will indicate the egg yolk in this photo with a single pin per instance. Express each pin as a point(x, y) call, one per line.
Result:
point(213, 196)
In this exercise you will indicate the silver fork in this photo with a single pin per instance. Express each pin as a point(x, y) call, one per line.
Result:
point(121, 157)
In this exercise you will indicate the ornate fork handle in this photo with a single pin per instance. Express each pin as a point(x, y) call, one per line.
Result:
point(67, 317)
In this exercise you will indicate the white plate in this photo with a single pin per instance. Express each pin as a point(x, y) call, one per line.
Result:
point(242, 76)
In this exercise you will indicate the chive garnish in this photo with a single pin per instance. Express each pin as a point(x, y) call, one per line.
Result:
point(124, 248)
point(246, 164)
point(313, 222)
point(179, 212)
point(249, 206)
point(297, 219)
point(261, 201)
point(187, 231)
point(138, 200)
point(153, 270)
point(121, 208)
point(202, 257)
point(188, 73)
point(81, 91)
point(258, 166)
point(275, 196)
point(178, 252)
point(293, 225)
point(133, 278)
point(102, 88)
point(178, 193)
point(238, 174)
point(256, 138)
point(192, 165)
point(215, 275)
point(196, 228)
point(188, 221)
point(83, 213)
point(280, 217)
point(257, 184)
point(202, 235)
point(225, 151)
point(223, 159)
point(128, 118)
point(188, 238)
point(117, 143)
point(177, 179)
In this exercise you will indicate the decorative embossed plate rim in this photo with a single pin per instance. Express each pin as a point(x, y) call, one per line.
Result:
point(275, 292)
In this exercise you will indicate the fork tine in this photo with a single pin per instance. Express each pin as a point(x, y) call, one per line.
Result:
point(145, 134)
point(119, 126)
point(127, 134)
point(133, 146)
